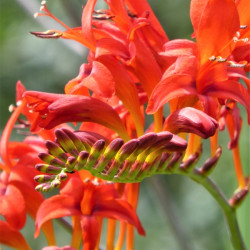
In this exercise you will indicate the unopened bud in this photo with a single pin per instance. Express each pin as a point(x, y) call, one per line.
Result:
point(65, 142)
point(209, 164)
point(44, 178)
point(70, 164)
point(238, 197)
point(49, 159)
point(81, 160)
point(55, 150)
point(48, 169)
point(44, 187)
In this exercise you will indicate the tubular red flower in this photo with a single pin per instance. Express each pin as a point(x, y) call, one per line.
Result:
point(191, 120)
point(55, 109)
point(71, 203)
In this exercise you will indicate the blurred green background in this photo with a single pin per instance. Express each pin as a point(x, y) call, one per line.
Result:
point(176, 213)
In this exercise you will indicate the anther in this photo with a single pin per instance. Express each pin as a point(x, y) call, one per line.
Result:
point(19, 103)
point(220, 59)
point(11, 108)
point(212, 58)
point(217, 59)
point(243, 26)
point(236, 65)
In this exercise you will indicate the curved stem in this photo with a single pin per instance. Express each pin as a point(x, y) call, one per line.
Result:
point(229, 211)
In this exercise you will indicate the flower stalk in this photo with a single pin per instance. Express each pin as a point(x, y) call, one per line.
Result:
point(228, 210)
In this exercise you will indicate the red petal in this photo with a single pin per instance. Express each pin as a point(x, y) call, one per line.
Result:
point(14, 214)
point(105, 192)
point(125, 88)
point(90, 232)
point(20, 89)
point(147, 71)
point(169, 88)
point(230, 90)
point(243, 8)
point(56, 207)
point(191, 120)
point(120, 210)
point(219, 18)
point(177, 48)
point(119, 11)
point(139, 8)
point(70, 108)
point(12, 237)
point(87, 24)
point(74, 183)
point(95, 77)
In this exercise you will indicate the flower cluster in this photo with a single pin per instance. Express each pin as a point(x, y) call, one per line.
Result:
point(133, 70)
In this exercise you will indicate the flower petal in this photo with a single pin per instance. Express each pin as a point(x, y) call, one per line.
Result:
point(169, 88)
point(191, 120)
point(120, 210)
point(139, 8)
point(56, 207)
point(14, 215)
point(219, 18)
point(125, 89)
point(56, 109)
point(87, 29)
point(90, 232)
point(230, 90)
point(95, 77)
point(12, 237)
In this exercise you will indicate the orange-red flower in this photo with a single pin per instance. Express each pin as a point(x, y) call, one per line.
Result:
point(200, 72)
point(17, 187)
point(92, 201)
point(55, 109)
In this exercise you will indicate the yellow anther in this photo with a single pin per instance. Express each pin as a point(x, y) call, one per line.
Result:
point(11, 108)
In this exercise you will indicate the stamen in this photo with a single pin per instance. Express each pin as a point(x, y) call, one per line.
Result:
point(217, 59)
point(236, 65)
point(243, 26)
point(220, 59)
point(212, 58)
point(48, 13)
point(11, 108)
point(48, 34)
point(103, 17)
point(19, 103)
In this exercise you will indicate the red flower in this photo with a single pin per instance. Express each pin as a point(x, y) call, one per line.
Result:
point(18, 187)
point(55, 109)
point(201, 70)
point(191, 120)
point(91, 201)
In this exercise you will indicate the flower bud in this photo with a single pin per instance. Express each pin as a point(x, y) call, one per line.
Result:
point(210, 163)
point(51, 160)
point(94, 154)
point(55, 150)
point(108, 154)
point(44, 178)
point(65, 142)
point(48, 169)
point(81, 160)
point(70, 164)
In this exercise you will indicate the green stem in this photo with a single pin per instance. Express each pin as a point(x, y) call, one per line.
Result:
point(229, 211)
